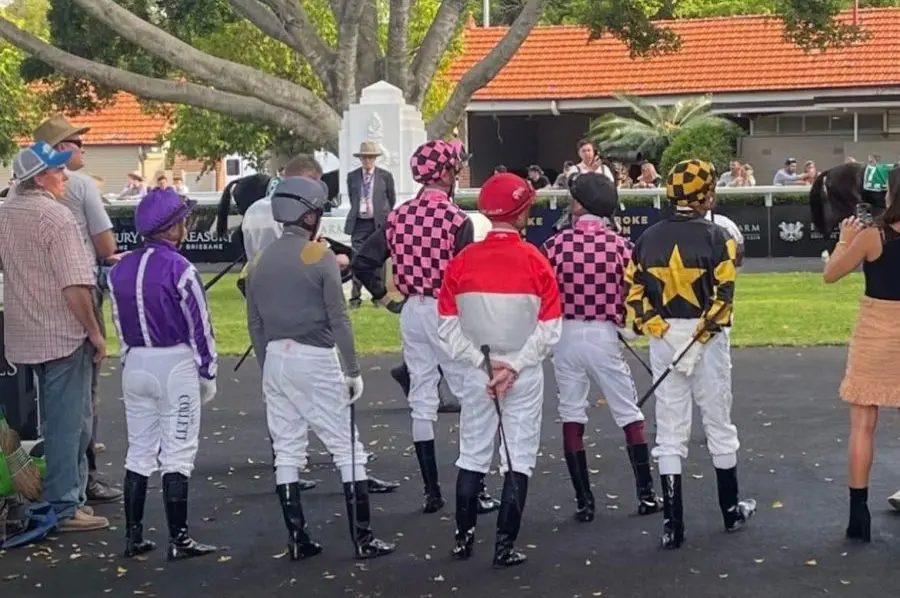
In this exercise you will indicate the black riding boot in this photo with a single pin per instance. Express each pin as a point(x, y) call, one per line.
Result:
point(467, 488)
point(515, 491)
point(673, 512)
point(860, 525)
point(735, 512)
point(648, 501)
point(584, 498)
point(366, 545)
point(300, 546)
point(428, 466)
point(135, 497)
point(175, 496)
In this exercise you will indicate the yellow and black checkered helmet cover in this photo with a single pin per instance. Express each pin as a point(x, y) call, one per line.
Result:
point(690, 181)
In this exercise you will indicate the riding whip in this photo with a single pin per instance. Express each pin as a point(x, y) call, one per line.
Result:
point(634, 353)
point(243, 358)
point(486, 351)
point(225, 271)
point(353, 475)
point(679, 355)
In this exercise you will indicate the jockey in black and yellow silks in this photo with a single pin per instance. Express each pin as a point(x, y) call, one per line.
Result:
point(680, 280)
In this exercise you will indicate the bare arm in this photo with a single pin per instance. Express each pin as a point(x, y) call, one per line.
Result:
point(104, 244)
point(847, 257)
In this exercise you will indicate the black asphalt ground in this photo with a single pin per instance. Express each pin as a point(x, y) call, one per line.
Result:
point(793, 432)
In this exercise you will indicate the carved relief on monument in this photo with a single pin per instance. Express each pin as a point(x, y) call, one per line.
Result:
point(375, 133)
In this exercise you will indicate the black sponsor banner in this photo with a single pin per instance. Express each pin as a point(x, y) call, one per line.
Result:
point(632, 222)
point(201, 246)
point(793, 234)
point(18, 395)
point(753, 222)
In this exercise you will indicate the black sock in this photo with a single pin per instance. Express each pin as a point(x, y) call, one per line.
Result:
point(859, 495)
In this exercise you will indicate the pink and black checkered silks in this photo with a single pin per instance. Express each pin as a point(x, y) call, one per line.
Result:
point(431, 159)
point(421, 237)
point(589, 261)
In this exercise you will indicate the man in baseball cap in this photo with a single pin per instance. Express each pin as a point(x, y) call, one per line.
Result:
point(169, 367)
point(499, 301)
point(37, 160)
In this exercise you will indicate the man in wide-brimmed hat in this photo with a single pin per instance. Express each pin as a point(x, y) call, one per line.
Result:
point(372, 196)
point(83, 197)
point(135, 188)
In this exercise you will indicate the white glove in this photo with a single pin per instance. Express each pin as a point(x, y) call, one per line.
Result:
point(628, 333)
point(355, 384)
point(207, 390)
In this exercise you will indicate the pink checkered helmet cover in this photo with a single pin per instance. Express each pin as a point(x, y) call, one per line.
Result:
point(432, 158)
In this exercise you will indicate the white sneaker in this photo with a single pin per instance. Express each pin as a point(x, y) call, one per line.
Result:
point(894, 499)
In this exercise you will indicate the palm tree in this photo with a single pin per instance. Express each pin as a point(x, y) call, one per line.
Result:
point(654, 127)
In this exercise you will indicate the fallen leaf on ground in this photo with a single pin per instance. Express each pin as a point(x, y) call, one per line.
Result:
point(439, 578)
point(224, 559)
point(758, 561)
point(777, 504)
point(811, 563)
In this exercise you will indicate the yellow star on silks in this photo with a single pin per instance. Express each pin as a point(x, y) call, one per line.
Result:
point(677, 280)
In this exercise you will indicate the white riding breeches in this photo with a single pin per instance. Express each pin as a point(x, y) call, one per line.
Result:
point(423, 354)
point(304, 388)
point(590, 351)
point(161, 389)
point(522, 409)
point(709, 384)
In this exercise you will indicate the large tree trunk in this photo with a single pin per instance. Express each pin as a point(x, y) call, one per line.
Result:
point(247, 93)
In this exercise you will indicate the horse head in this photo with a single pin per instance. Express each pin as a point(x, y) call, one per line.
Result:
point(834, 195)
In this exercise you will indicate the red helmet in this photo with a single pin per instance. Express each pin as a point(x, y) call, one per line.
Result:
point(504, 196)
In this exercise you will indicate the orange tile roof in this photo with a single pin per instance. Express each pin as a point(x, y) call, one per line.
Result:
point(122, 123)
point(734, 54)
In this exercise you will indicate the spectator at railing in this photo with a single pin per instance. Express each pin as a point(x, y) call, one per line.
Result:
point(623, 181)
point(788, 175)
point(537, 178)
point(135, 188)
point(740, 175)
point(590, 161)
point(809, 172)
point(749, 178)
point(562, 181)
point(649, 178)
point(162, 182)
point(179, 185)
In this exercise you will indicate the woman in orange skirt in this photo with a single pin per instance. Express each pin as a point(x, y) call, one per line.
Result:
point(871, 379)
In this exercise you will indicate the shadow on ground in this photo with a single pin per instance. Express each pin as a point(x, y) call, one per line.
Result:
point(793, 432)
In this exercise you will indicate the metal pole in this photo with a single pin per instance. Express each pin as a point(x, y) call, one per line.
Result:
point(486, 12)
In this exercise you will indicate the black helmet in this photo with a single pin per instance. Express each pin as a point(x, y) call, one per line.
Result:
point(595, 192)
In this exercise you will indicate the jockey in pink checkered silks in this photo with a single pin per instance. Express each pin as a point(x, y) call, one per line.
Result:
point(589, 260)
point(420, 237)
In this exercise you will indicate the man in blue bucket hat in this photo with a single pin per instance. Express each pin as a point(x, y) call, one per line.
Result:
point(169, 367)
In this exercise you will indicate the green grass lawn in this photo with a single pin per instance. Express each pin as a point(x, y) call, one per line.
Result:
point(770, 310)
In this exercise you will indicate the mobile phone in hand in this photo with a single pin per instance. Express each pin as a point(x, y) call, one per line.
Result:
point(864, 213)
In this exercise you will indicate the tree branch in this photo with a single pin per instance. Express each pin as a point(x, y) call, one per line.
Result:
point(369, 57)
point(266, 21)
point(345, 67)
point(398, 44)
point(486, 69)
point(324, 132)
point(433, 47)
point(306, 40)
point(224, 74)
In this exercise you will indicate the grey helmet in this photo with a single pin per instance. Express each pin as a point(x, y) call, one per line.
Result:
point(296, 196)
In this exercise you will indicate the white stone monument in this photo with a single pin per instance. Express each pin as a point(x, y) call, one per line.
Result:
point(383, 117)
